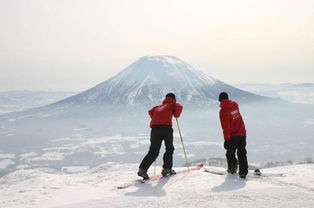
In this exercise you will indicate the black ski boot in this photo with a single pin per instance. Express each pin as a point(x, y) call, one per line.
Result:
point(167, 172)
point(233, 170)
point(143, 173)
point(257, 172)
point(243, 176)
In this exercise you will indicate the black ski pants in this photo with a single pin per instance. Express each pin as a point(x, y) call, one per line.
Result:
point(157, 135)
point(237, 144)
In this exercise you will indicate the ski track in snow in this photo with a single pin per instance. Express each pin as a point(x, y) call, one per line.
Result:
point(97, 188)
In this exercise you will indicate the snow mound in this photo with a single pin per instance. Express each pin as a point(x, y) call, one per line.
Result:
point(289, 186)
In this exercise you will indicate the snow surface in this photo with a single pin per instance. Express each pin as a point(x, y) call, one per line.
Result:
point(97, 188)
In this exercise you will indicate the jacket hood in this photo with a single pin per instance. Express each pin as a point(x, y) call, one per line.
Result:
point(168, 100)
point(228, 104)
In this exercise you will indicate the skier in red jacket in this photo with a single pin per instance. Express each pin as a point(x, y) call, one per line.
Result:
point(234, 134)
point(161, 129)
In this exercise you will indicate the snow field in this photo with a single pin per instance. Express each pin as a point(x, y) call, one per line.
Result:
point(97, 188)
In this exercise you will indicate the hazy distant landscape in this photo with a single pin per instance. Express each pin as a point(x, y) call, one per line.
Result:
point(12, 101)
point(109, 122)
point(296, 93)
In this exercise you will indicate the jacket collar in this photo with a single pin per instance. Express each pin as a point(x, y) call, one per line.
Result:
point(228, 104)
point(168, 100)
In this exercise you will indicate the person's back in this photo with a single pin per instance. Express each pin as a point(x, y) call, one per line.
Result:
point(162, 114)
point(234, 135)
point(161, 130)
point(231, 119)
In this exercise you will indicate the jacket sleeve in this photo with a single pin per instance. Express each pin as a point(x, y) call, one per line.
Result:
point(177, 110)
point(151, 112)
point(225, 124)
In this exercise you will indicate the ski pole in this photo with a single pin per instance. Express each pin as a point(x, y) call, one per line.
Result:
point(155, 167)
point(186, 159)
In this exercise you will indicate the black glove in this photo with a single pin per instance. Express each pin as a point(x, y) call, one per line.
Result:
point(227, 144)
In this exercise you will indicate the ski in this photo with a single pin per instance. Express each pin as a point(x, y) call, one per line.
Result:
point(256, 173)
point(215, 172)
point(160, 176)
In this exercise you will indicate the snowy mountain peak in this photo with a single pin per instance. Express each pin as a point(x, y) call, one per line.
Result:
point(164, 59)
point(160, 68)
point(147, 80)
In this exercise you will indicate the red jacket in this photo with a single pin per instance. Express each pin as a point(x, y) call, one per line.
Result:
point(162, 114)
point(231, 119)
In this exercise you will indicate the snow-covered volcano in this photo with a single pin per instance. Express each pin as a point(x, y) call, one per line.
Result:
point(122, 101)
point(148, 79)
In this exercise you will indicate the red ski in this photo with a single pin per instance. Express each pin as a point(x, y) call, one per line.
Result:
point(160, 176)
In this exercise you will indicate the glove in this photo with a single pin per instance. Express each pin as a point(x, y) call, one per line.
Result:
point(227, 144)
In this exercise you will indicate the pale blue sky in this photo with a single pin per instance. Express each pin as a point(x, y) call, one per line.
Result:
point(76, 44)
